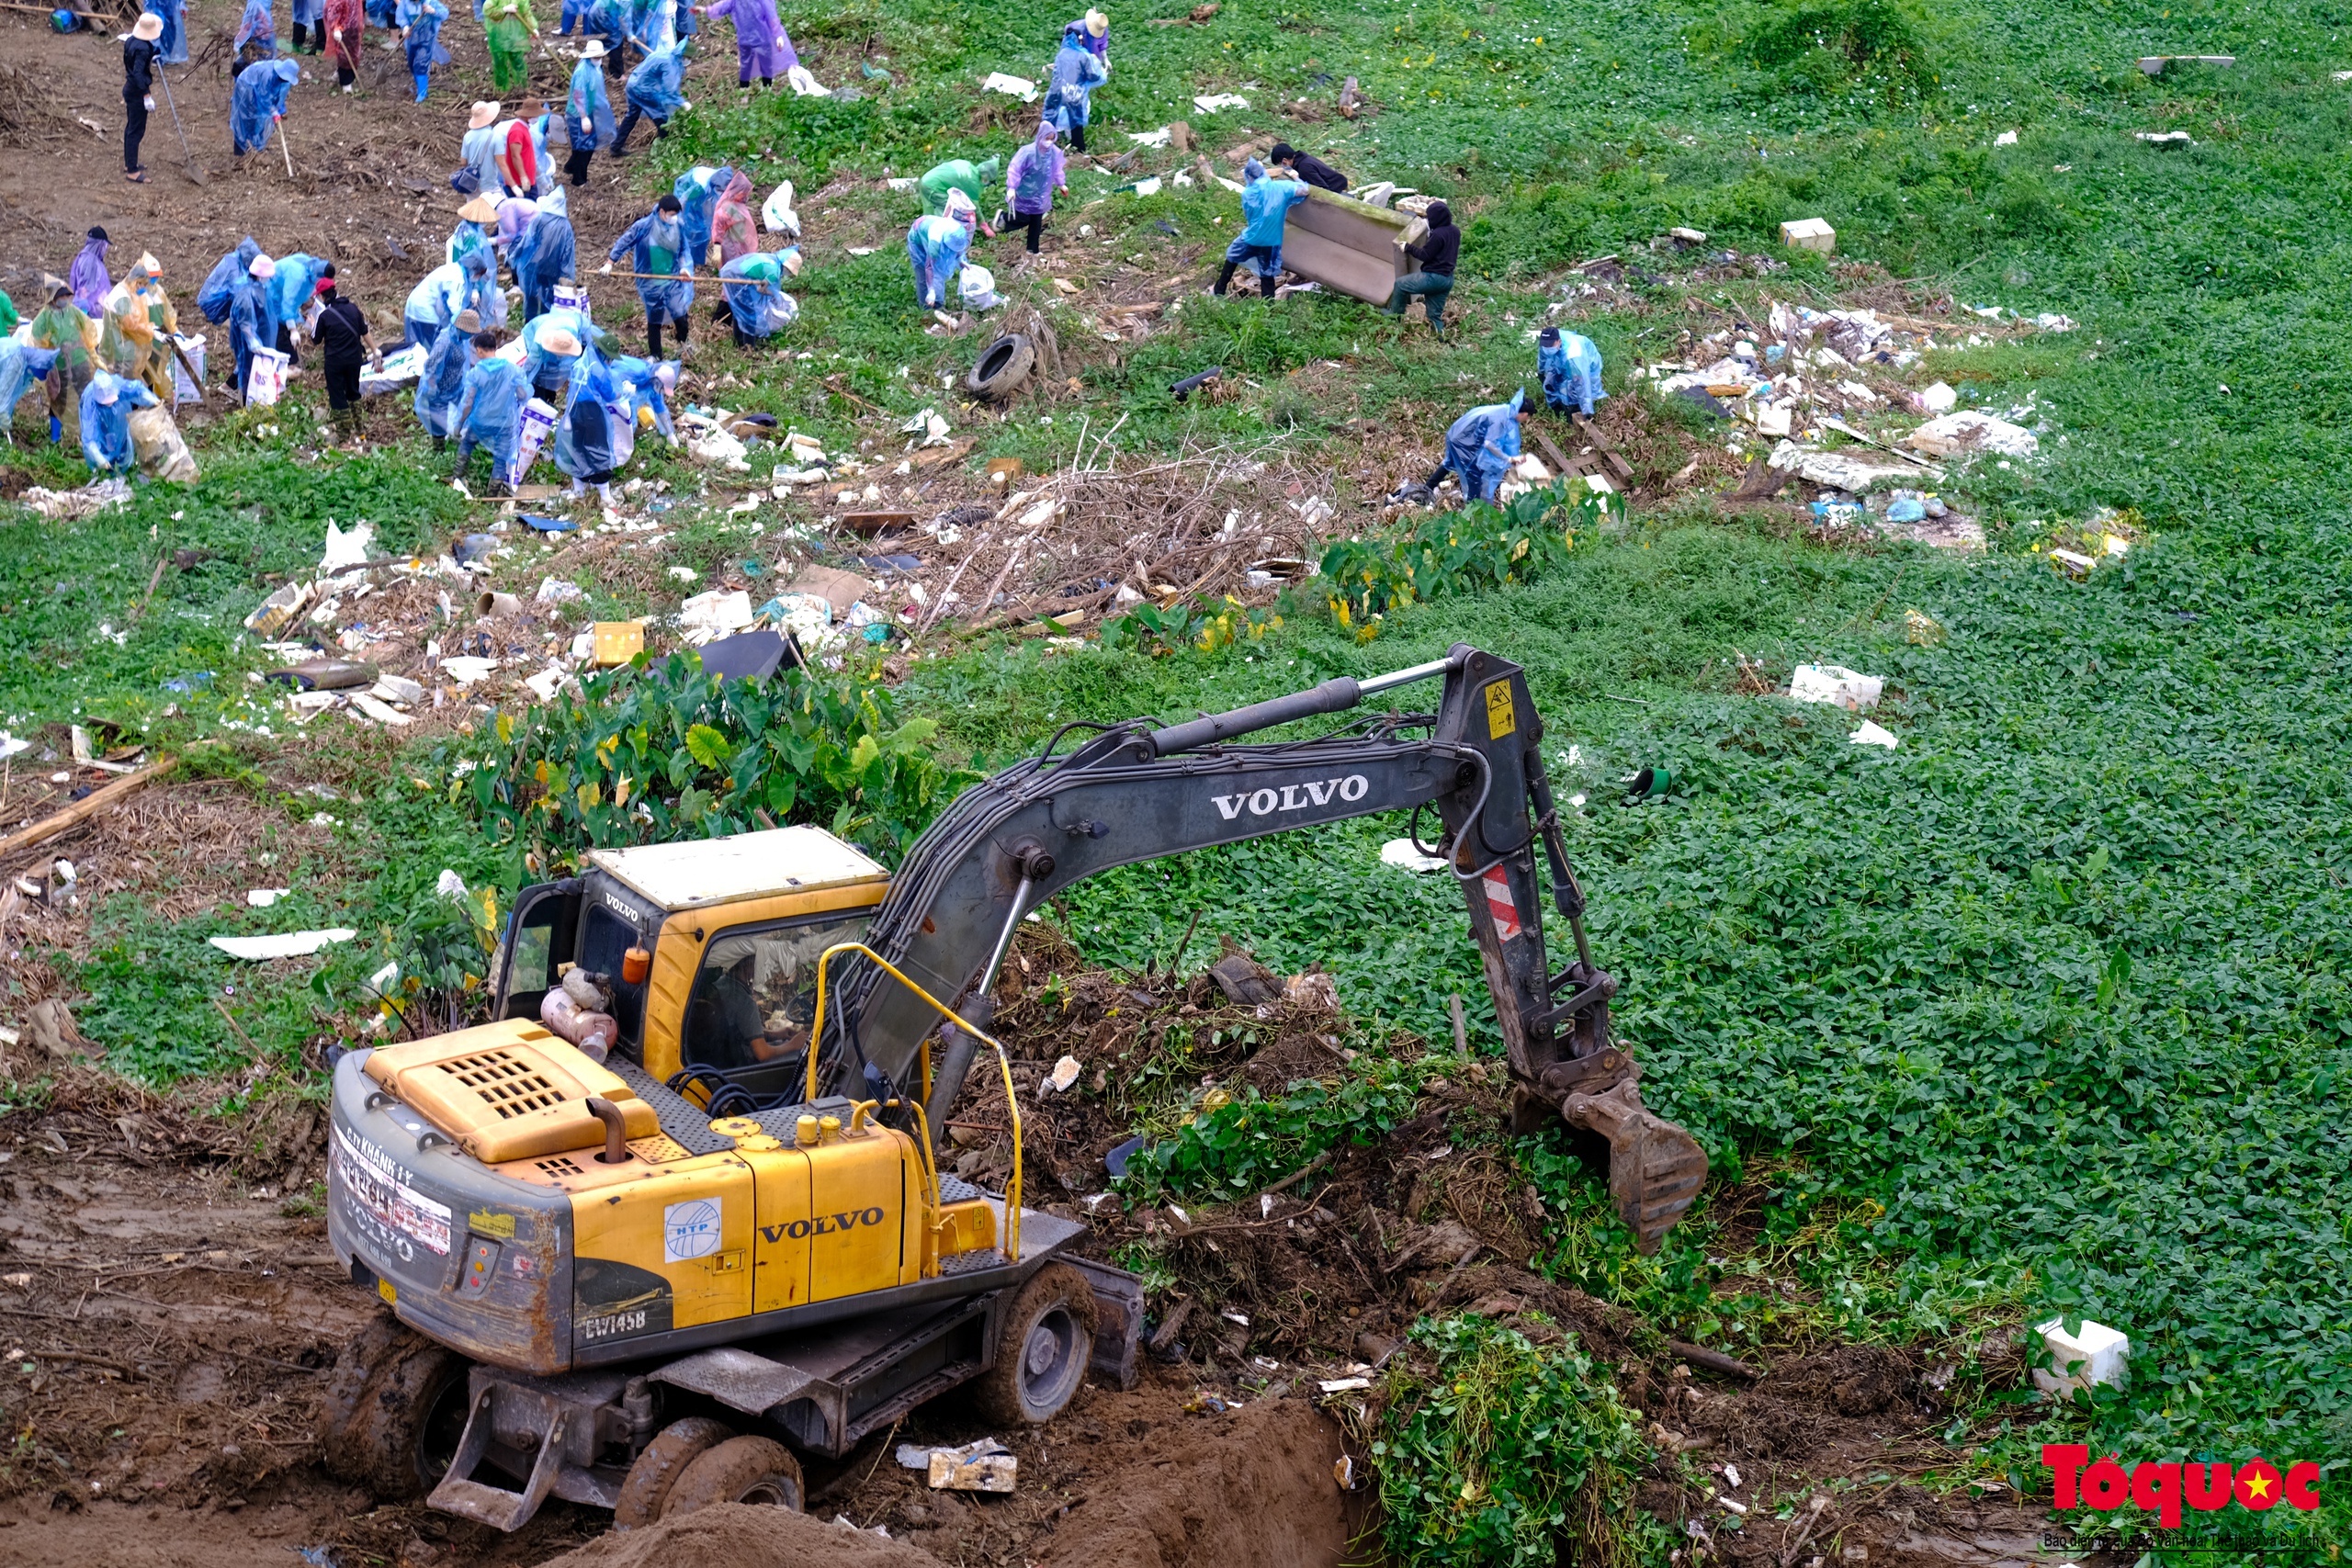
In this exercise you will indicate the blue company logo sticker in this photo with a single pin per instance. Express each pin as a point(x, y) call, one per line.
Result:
point(690, 1230)
point(823, 1224)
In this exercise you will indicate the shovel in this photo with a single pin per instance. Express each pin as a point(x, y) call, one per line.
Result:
point(194, 170)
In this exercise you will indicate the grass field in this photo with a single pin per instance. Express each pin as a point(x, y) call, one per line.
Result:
point(2045, 1010)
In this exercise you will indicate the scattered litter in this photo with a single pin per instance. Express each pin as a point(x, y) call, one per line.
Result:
point(717, 612)
point(981, 1465)
point(546, 524)
point(1207, 1403)
point(1343, 1385)
point(2007, 138)
point(346, 547)
point(545, 685)
point(2074, 563)
point(277, 611)
point(1835, 684)
point(2164, 137)
point(1016, 86)
point(1970, 430)
point(2095, 1356)
point(2153, 64)
point(263, 897)
point(777, 214)
point(65, 505)
point(1211, 102)
point(805, 84)
point(292, 944)
point(1871, 734)
point(555, 591)
point(928, 426)
point(1150, 138)
point(1938, 399)
point(465, 670)
point(450, 885)
point(1065, 1074)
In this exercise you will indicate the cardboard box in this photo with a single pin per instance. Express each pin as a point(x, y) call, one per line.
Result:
point(1809, 234)
point(617, 642)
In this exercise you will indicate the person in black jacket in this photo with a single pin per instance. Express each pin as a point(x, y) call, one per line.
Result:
point(1437, 251)
point(341, 332)
point(138, 90)
point(1308, 167)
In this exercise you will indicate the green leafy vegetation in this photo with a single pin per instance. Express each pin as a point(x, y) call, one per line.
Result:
point(1507, 1452)
point(662, 748)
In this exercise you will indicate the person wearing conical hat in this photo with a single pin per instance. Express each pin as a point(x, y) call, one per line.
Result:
point(476, 220)
point(139, 53)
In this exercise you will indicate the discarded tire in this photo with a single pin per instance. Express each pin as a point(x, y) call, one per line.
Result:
point(394, 1409)
point(1003, 369)
point(742, 1470)
point(1041, 1351)
point(655, 1474)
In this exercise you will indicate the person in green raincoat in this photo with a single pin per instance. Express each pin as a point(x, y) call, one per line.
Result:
point(62, 326)
point(958, 174)
point(511, 28)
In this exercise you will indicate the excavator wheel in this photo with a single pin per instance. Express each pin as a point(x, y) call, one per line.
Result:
point(1043, 1350)
point(395, 1407)
point(740, 1470)
point(655, 1474)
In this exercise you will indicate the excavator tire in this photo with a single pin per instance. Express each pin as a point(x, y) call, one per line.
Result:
point(655, 1474)
point(396, 1435)
point(1043, 1350)
point(740, 1470)
point(356, 1367)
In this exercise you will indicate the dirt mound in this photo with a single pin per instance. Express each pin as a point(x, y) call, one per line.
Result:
point(1258, 1493)
point(734, 1536)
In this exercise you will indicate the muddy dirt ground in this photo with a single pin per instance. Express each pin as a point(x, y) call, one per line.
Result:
point(170, 1309)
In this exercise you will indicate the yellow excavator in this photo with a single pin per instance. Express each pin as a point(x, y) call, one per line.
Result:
point(675, 1218)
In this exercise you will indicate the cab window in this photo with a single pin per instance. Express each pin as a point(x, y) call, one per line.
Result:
point(756, 994)
point(604, 937)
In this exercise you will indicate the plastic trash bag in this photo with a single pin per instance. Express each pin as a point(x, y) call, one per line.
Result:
point(156, 444)
point(978, 285)
point(777, 214)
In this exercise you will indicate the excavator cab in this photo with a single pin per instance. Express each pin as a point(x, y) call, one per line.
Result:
point(718, 999)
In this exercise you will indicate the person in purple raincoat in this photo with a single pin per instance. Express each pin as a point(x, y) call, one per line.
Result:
point(763, 47)
point(88, 275)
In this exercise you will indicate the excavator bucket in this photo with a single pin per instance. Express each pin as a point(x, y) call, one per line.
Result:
point(1654, 1167)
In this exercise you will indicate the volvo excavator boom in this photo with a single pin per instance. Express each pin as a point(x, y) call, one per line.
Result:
point(1139, 790)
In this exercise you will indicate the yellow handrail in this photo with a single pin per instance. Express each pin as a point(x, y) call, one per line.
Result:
point(1004, 1064)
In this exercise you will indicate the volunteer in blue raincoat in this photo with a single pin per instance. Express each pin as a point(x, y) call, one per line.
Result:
point(106, 404)
point(587, 110)
point(656, 90)
point(756, 302)
point(490, 411)
point(1069, 95)
point(607, 23)
point(1481, 446)
point(586, 447)
point(171, 45)
point(444, 376)
point(646, 385)
point(420, 22)
point(1570, 365)
point(435, 302)
point(697, 192)
point(545, 253)
point(293, 282)
point(482, 293)
point(655, 247)
point(936, 247)
point(260, 103)
point(228, 274)
point(252, 323)
point(551, 346)
point(21, 365)
point(1265, 207)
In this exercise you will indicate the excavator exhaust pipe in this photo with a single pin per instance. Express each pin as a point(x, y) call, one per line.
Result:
point(1655, 1167)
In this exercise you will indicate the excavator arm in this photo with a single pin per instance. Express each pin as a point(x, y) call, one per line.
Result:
point(1139, 790)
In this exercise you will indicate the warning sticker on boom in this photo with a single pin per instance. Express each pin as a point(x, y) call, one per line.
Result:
point(1501, 905)
point(1500, 720)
